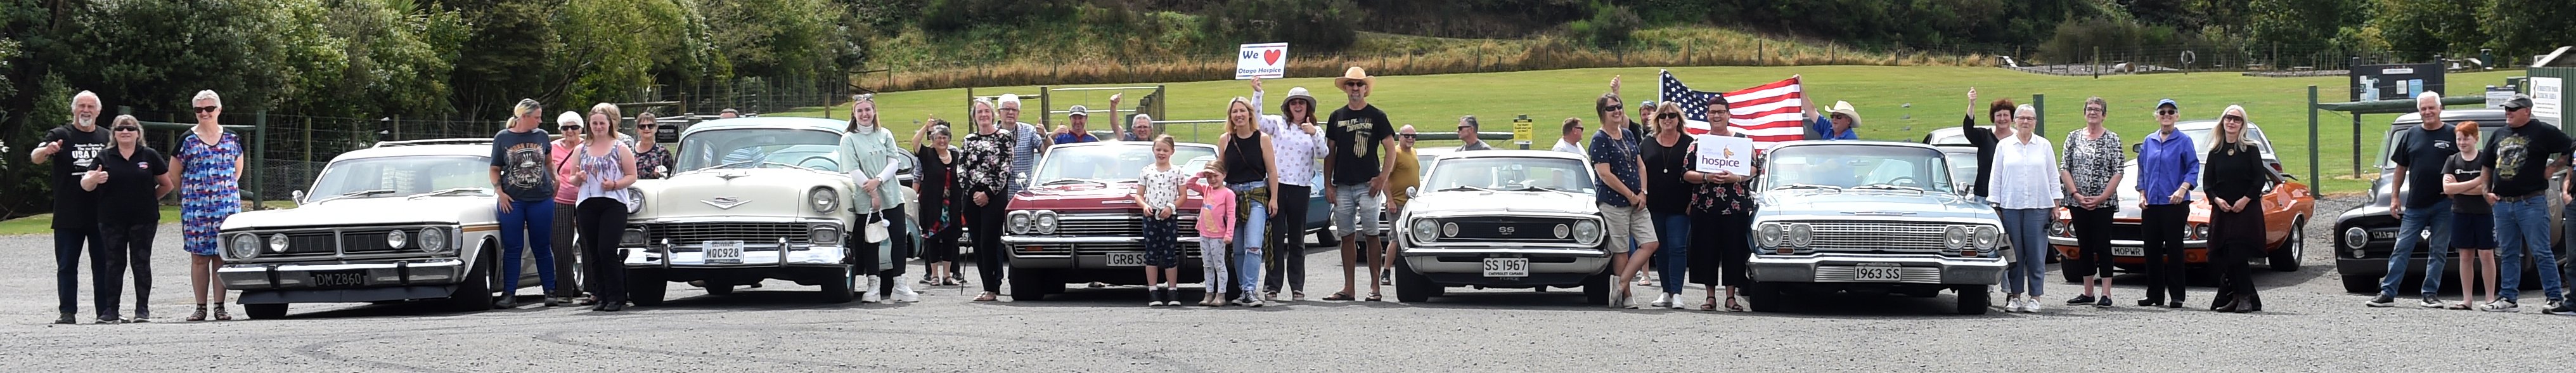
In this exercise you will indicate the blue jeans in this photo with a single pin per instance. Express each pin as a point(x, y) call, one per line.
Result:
point(528, 223)
point(1247, 240)
point(2028, 229)
point(2520, 226)
point(2409, 228)
point(1672, 256)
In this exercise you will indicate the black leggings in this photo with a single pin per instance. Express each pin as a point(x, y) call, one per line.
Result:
point(2236, 237)
point(601, 221)
point(2093, 236)
point(990, 256)
point(2164, 235)
point(867, 256)
point(1728, 243)
point(121, 245)
point(1287, 258)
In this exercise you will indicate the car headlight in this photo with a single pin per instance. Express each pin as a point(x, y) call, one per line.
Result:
point(1801, 234)
point(1562, 230)
point(1955, 237)
point(2060, 228)
point(396, 239)
point(1587, 232)
point(632, 237)
point(1045, 223)
point(1770, 234)
point(822, 235)
point(2199, 231)
point(1422, 230)
point(824, 199)
point(1988, 238)
point(433, 240)
point(277, 243)
point(2355, 237)
point(1020, 222)
point(1448, 229)
point(245, 246)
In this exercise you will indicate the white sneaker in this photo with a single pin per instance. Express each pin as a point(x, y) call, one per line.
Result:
point(2013, 304)
point(2030, 306)
point(1677, 301)
point(903, 292)
point(1663, 301)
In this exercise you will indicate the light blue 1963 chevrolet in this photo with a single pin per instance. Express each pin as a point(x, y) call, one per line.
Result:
point(1870, 217)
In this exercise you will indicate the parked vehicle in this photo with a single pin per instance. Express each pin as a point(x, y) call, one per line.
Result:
point(2286, 209)
point(1502, 219)
point(754, 199)
point(2365, 236)
point(1870, 217)
point(404, 220)
point(1076, 222)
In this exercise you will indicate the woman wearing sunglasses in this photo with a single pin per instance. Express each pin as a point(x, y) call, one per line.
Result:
point(210, 163)
point(569, 124)
point(130, 179)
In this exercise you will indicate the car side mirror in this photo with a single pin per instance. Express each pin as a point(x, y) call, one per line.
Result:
point(299, 197)
point(1410, 192)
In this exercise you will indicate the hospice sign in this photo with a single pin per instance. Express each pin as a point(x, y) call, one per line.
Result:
point(1725, 153)
point(1267, 60)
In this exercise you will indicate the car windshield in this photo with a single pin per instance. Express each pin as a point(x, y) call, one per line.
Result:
point(1509, 173)
point(402, 176)
point(761, 148)
point(1963, 166)
point(1857, 167)
point(1109, 162)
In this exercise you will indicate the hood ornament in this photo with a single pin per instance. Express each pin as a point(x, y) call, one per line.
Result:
point(729, 176)
point(724, 203)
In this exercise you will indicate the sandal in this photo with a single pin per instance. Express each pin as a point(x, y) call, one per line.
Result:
point(200, 315)
point(1711, 305)
point(1731, 306)
point(220, 315)
point(1338, 296)
point(1375, 297)
point(986, 297)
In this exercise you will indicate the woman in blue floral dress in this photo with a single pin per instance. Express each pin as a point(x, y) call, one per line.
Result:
point(210, 163)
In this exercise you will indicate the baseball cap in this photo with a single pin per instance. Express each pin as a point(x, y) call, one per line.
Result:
point(1077, 111)
point(2168, 103)
point(2518, 102)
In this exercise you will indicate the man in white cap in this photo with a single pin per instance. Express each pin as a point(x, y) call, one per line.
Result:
point(1841, 123)
point(1295, 144)
point(1357, 136)
point(1139, 128)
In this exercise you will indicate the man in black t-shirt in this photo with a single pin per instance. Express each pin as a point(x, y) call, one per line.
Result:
point(1355, 135)
point(2518, 162)
point(72, 149)
point(2419, 156)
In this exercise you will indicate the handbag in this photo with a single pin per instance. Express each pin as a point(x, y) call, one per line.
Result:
point(875, 232)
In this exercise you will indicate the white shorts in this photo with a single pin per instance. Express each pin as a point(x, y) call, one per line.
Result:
point(1625, 223)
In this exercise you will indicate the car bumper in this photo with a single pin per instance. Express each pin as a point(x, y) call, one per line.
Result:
point(2192, 253)
point(1084, 252)
point(753, 256)
point(1839, 268)
point(372, 274)
point(1466, 265)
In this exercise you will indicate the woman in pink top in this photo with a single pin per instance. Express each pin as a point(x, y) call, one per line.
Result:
point(1216, 225)
point(569, 125)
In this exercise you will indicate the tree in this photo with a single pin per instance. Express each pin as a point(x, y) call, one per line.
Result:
point(2523, 28)
point(2421, 30)
point(792, 39)
point(2300, 25)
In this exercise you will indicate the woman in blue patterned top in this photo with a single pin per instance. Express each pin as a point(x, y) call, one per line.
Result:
point(209, 162)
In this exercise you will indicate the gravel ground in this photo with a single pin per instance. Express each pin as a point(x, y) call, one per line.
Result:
point(2310, 325)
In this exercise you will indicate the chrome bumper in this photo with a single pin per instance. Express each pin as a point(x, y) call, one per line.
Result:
point(1428, 260)
point(754, 255)
point(1839, 268)
point(2070, 242)
point(378, 273)
point(1084, 252)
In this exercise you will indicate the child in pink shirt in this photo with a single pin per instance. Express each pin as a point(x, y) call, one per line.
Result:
point(1216, 226)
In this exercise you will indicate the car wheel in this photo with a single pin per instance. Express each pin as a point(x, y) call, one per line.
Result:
point(271, 311)
point(1413, 287)
point(1596, 290)
point(1028, 285)
point(1975, 300)
point(717, 288)
point(645, 287)
point(2068, 269)
point(1765, 297)
point(1324, 237)
point(2286, 258)
point(840, 290)
point(475, 293)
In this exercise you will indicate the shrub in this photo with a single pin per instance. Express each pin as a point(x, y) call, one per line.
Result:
point(1610, 25)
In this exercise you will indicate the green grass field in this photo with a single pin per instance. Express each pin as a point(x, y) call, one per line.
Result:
point(1936, 96)
point(44, 223)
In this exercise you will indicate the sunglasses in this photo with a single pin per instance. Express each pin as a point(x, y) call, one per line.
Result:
point(569, 128)
point(1668, 116)
point(129, 129)
point(208, 109)
point(1609, 108)
point(1406, 136)
point(2092, 110)
point(1356, 85)
point(2166, 112)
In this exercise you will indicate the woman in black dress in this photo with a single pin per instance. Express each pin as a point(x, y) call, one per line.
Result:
point(2234, 180)
point(939, 210)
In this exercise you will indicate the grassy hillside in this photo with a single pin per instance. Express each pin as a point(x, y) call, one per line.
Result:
point(1897, 103)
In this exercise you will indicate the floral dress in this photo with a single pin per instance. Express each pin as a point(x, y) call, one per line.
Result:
point(209, 189)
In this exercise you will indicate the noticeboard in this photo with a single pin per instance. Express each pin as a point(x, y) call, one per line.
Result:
point(2394, 81)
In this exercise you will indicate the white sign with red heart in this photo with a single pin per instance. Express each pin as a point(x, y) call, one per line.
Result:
point(1268, 60)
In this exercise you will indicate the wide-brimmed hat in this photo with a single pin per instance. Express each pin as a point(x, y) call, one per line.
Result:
point(1354, 73)
point(1845, 108)
point(1300, 93)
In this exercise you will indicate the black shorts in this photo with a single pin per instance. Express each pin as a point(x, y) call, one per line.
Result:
point(1162, 242)
point(2472, 231)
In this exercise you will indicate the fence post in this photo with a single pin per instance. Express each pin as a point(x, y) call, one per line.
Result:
point(308, 139)
point(259, 146)
point(2316, 184)
point(1046, 109)
point(2039, 108)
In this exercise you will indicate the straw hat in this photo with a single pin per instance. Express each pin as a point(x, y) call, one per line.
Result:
point(1845, 108)
point(1355, 73)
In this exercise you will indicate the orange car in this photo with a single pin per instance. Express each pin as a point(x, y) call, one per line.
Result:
point(2287, 207)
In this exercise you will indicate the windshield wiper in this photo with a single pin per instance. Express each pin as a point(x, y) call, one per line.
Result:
point(1889, 186)
point(1074, 181)
point(450, 191)
point(1467, 187)
point(361, 193)
point(1810, 186)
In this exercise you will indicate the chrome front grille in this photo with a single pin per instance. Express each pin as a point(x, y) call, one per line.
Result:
point(695, 233)
point(1508, 229)
point(335, 242)
point(1874, 236)
point(1118, 225)
point(372, 242)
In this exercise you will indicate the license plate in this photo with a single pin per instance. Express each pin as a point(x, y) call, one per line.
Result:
point(2383, 235)
point(2128, 251)
point(340, 278)
point(1126, 259)
point(726, 252)
point(1506, 267)
point(1878, 272)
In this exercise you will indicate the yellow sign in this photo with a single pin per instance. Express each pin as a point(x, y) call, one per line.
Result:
point(1521, 129)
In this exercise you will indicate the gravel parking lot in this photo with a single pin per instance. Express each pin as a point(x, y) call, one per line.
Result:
point(2309, 325)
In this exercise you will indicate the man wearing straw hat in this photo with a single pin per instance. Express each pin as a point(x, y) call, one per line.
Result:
point(1841, 123)
point(1357, 133)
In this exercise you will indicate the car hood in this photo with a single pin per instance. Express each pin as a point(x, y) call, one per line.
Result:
point(370, 211)
point(1070, 197)
point(1501, 201)
point(1934, 205)
point(768, 192)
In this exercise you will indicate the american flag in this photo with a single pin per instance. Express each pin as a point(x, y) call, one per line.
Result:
point(1768, 113)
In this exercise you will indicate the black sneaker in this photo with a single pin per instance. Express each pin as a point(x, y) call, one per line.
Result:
point(2102, 302)
point(2080, 300)
point(2150, 302)
point(2432, 302)
point(2563, 308)
point(67, 319)
point(2383, 301)
point(2176, 303)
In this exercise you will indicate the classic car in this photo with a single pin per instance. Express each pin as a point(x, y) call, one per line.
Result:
point(2365, 236)
point(404, 220)
point(752, 199)
point(1870, 217)
point(1076, 222)
point(2287, 206)
point(1502, 219)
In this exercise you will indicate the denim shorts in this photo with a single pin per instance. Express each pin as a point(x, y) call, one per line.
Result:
point(1355, 210)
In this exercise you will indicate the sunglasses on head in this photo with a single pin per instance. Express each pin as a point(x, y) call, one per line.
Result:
point(208, 109)
point(129, 129)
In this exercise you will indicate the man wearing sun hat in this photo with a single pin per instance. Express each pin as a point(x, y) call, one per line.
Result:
point(1841, 123)
point(1356, 134)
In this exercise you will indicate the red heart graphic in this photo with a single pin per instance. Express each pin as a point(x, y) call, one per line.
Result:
point(1270, 56)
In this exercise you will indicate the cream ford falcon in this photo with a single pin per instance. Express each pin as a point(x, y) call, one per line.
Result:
point(405, 220)
point(749, 199)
